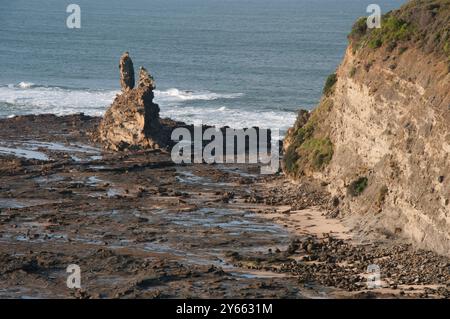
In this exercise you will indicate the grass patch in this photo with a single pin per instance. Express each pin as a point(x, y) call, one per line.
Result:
point(391, 32)
point(292, 156)
point(359, 29)
point(318, 152)
point(423, 24)
point(396, 29)
point(290, 160)
point(357, 187)
point(375, 43)
point(308, 150)
point(329, 84)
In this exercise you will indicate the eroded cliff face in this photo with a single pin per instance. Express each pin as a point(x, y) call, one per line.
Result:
point(380, 137)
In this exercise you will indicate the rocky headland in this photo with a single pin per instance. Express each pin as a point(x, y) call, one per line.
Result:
point(380, 138)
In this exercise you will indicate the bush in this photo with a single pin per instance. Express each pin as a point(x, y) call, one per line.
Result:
point(357, 187)
point(392, 31)
point(330, 82)
point(307, 150)
point(375, 43)
point(290, 159)
point(359, 29)
point(318, 151)
point(396, 29)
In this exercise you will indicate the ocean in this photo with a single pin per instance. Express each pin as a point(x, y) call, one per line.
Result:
point(240, 63)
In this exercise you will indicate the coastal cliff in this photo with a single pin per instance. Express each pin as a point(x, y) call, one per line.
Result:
point(380, 137)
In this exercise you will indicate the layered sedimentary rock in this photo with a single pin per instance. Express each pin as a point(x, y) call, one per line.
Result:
point(132, 121)
point(380, 137)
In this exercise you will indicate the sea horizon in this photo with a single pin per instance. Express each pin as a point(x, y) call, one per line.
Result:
point(236, 63)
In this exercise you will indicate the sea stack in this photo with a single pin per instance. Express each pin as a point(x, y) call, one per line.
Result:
point(132, 121)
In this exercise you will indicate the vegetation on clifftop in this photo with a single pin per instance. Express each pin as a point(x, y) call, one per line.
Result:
point(329, 84)
point(426, 23)
point(392, 31)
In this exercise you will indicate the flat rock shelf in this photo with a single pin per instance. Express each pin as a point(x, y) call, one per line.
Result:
point(140, 226)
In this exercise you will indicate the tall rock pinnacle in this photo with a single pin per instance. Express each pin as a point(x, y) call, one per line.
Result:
point(126, 72)
point(145, 79)
point(132, 121)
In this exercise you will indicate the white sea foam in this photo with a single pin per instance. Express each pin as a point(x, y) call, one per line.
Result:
point(25, 85)
point(224, 116)
point(28, 98)
point(176, 95)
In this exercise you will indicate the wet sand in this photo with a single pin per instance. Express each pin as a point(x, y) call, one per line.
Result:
point(140, 226)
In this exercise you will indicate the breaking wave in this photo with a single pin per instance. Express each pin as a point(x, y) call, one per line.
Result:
point(180, 95)
point(29, 98)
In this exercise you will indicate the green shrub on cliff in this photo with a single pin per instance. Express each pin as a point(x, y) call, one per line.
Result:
point(318, 151)
point(290, 160)
point(313, 153)
point(329, 84)
point(392, 31)
point(396, 29)
point(309, 150)
point(375, 43)
point(359, 29)
point(358, 186)
point(424, 24)
point(300, 136)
